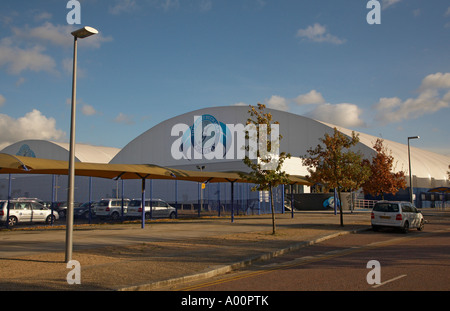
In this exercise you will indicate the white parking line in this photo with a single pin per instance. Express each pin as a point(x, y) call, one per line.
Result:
point(388, 281)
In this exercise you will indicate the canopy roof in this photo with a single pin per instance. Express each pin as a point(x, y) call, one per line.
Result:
point(10, 164)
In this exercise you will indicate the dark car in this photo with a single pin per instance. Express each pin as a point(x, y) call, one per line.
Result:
point(82, 211)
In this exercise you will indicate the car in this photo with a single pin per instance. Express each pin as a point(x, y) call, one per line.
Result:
point(83, 210)
point(393, 214)
point(160, 209)
point(111, 208)
point(25, 211)
point(61, 207)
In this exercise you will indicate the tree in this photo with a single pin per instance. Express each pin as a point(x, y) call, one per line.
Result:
point(266, 170)
point(383, 179)
point(335, 165)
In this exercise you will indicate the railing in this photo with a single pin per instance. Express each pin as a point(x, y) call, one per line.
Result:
point(368, 204)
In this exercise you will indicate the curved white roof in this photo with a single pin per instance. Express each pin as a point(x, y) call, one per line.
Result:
point(60, 151)
point(299, 134)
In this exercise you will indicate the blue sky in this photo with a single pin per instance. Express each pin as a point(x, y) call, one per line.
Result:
point(155, 59)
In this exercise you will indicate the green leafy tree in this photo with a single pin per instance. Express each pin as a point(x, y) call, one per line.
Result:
point(334, 165)
point(266, 170)
point(382, 179)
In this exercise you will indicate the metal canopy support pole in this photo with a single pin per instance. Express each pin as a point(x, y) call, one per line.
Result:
point(53, 198)
point(292, 201)
point(151, 198)
point(232, 201)
point(90, 199)
point(143, 204)
point(218, 199)
point(176, 198)
point(123, 201)
point(9, 201)
point(198, 198)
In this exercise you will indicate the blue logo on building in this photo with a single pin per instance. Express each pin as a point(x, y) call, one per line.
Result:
point(26, 151)
point(205, 136)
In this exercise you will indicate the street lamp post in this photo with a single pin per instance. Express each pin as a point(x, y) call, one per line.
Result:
point(80, 33)
point(410, 173)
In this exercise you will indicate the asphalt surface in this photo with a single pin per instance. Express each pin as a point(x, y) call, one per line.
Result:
point(417, 261)
point(126, 257)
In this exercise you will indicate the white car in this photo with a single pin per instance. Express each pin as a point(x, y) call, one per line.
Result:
point(402, 215)
point(111, 208)
point(160, 209)
point(25, 211)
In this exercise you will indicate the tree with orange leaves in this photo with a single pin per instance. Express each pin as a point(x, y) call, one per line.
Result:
point(383, 180)
point(335, 165)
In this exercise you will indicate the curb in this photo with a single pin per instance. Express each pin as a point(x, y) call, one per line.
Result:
point(241, 264)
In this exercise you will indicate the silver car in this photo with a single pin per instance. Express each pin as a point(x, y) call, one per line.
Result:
point(111, 208)
point(21, 211)
point(160, 209)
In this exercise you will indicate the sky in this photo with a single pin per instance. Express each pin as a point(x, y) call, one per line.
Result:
point(155, 59)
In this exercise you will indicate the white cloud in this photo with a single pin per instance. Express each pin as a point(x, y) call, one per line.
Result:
point(428, 101)
point(345, 115)
point(55, 34)
point(20, 81)
point(447, 13)
point(169, 4)
point(33, 125)
point(25, 50)
point(58, 35)
point(42, 16)
point(205, 5)
point(277, 102)
point(312, 97)
point(387, 3)
point(123, 6)
point(88, 110)
point(240, 104)
point(436, 81)
point(124, 119)
point(318, 33)
point(17, 59)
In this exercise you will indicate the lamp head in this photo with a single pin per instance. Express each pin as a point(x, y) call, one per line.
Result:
point(84, 32)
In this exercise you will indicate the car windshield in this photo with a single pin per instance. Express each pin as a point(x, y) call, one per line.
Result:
point(386, 207)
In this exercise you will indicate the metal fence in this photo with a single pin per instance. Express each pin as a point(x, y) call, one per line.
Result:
point(364, 204)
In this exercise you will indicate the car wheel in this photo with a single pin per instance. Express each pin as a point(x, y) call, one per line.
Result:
point(406, 227)
point(172, 215)
point(420, 227)
point(62, 213)
point(115, 216)
point(147, 215)
point(12, 221)
point(50, 219)
point(375, 228)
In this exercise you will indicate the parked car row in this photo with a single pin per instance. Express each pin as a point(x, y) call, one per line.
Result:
point(112, 208)
point(26, 210)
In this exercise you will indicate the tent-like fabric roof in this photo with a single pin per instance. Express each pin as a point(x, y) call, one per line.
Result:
point(44, 149)
point(10, 164)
